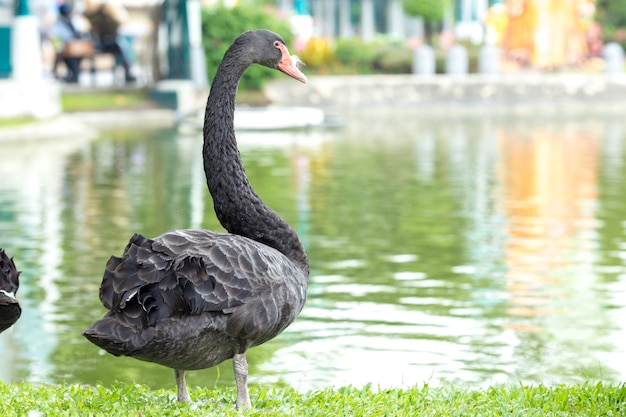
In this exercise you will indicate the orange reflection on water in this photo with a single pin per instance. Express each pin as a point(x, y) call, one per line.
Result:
point(548, 178)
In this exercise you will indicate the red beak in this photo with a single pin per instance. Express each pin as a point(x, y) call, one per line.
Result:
point(289, 65)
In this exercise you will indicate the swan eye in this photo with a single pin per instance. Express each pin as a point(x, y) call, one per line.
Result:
point(276, 44)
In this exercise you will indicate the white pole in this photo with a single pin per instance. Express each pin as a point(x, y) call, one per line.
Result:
point(26, 49)
point(367, 20)
point(197, 62)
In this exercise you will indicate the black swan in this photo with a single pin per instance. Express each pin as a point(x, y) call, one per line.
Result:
point(10, 309)
point(191, 299)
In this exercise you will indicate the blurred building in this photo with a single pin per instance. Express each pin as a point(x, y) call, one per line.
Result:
point(539, 33)
point(45, 12)
point(21, 76)
point(371, 18)
point(325, 18)
point(470, 18)
point(544, 33)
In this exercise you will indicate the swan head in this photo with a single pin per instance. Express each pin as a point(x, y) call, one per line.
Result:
point(268, 49)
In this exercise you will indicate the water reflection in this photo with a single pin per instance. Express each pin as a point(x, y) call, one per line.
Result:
point(477, 251)
point(550, 216)
point(550, 198)
point(30, 225)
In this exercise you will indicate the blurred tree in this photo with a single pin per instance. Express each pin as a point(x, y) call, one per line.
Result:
point(611, 15)
point(221, 25)
point(432, 11)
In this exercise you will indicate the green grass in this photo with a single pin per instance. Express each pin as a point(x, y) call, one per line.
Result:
point(133, 100)
point(118, 100)
point(27, 399)
point(91, 101)
point(16, 121)
point(107, 100)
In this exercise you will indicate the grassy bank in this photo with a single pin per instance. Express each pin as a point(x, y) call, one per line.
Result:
point(86, 100)
point(104, 100)
point(36, 400)
point(17, 121)
point(129, 100)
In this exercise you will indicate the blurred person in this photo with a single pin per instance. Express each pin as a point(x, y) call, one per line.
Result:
point(68, 27)
point(106, 19)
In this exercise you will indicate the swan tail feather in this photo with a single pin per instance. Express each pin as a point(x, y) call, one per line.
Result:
point(117, 337)
point(9, 313)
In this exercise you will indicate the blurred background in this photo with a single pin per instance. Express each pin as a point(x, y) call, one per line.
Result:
point(452, 238)
point(333, 36)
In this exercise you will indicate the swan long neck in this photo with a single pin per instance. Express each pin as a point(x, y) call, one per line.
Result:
point(237, 206)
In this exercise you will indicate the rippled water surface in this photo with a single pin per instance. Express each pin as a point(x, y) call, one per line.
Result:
point(473, 251)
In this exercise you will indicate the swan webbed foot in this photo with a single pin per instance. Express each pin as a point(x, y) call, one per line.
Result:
point(240, 367)
point(183, 395)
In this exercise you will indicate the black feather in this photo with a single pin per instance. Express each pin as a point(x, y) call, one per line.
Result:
point(10, 309)
point(190, 299)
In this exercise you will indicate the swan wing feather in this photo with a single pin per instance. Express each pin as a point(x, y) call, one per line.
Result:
point(189, 272)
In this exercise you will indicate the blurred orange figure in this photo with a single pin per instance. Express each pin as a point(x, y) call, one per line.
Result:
point(545, 33)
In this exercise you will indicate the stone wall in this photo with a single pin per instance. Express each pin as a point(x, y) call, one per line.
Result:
point(532, 92)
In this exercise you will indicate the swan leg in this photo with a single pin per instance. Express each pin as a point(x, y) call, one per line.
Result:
point(183, 395)
point(240, 367)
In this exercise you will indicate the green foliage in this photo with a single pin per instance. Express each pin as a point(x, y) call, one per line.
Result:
point(354, 53)
point(599, 399)
point(429, 10)
point(392, 59)
point(379, 57)
point(612, 17)
point(220, 27)
point(611, 13)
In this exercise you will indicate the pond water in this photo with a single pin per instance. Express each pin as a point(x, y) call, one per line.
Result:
point(469, 250)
